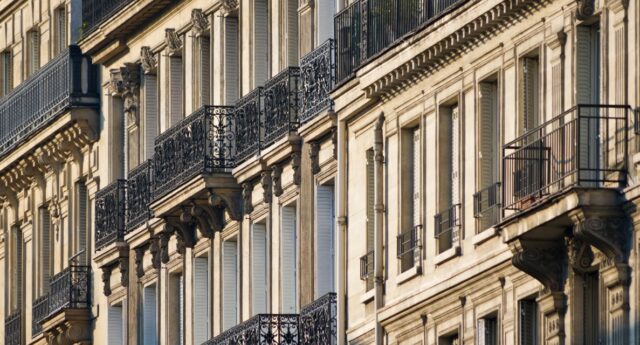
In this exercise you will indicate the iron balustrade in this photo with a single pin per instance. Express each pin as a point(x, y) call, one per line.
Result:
point(366, 268)
point(447, 223)
point(281, 105)
point(40, 311)
point(487, 207)
point(139, 195)
point(585, 146)
point(249, 131)
point(407, 244)
point(262, 329)
point(318, 78)
point(13, 328)
point(318, 321)
point(201, 143)
point(110, 214)
point(70, 289)
point(365, 29)
point(41, 98)
point(94, 12)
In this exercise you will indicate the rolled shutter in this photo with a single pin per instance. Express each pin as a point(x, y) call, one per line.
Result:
point(82, 223)
point(488, 139)
point(528, 322)
point(205, 70)
point(587, 66)
point(259, 268)
point(176, 89)
point(149, 315)
point(261, 42)
point(289, 260)
point(201, 300)
point(326, 10)
point(115, 323)
point(231, 60)
point(150, 89)
point(370, 236)
point(62, 29)
point(325, 258)
point(181, 309)
point(292, 32)
point(455, 156)
point(229, 284)
point(415, 176)
point(45, 245)
point(35, 51)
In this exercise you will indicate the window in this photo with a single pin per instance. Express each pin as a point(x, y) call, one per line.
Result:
point(591, 309)
point(7, 73)
point(203, 71)
point(149, 315)
point(16, 267)
point(325, 261)
point(451, 338)
point(150, 112)
point(528, 322)
point(261, 36)
point(259, 268)
point(45, 246)
point(325, 12)
point(116, 323)
point(292, 32)
point(60, 31)
point(175, 73)
point(201, 291)
point(289, 257)
point(33, 52)
point(408, 237)
point(529, 93)
point(231, 57)
point(488, 331)
point(366, 261)
point(81, 224)
point(176, 308)
point(229, 283)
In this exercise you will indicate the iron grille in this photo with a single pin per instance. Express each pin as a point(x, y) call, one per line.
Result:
point(139, 195)
point(40, 311)
point(249, 131)
point(281, 105)
point(487, 207)
point(69, 289)
point(407, 244)
point(584, 146)
point(13, 328)
point(202, 143)
point(366, 269)
point(262, 329)
point(347, 27)
point(318, 78)
point(447, 220)
point(318, 321)
point(94, 12)
point(110, 214)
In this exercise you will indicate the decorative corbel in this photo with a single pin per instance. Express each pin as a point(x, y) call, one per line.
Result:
point(247, 190)
point(130, 75)
point(165, 235)
point(230, 199)
point(314, 153)
point(295, 165)
point(608, 233)
point(115, 87)
point(543, 260)
point(106, 280)
point(229, 6)
point(199, 21)
point(276, 179)
point(266, 186)
point(148, 61)
point(585, 9)
point(580, 255)
point(185, 229)
point(174, 42)
point(155, 250)
point(123, 265)
point(139, 261)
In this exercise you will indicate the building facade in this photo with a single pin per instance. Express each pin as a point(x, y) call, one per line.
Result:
point(431, 172)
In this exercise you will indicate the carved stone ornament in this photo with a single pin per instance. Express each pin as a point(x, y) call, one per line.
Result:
point(130, 75)
point(247, 190)
point(276, 179)
point(154, 249)
point(115, 86)
point(580, 255)
point(123, 265)
point(173, 41)
point(608, 234)
point(585, 9)
point(229, 5)
point(334, 141)
point(139, 261)
point(231, 200)
point(199, 21)
point(314, 153)
point(295, 165)
point(148, 60)
point(266, 186)
point(543, 260)
point(164, 245)
point(106, 281)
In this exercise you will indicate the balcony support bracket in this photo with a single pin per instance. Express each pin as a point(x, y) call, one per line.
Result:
point(607, 232)
point(544, 260)
point(230, 199)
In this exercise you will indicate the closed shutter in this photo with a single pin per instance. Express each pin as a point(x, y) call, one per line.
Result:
point(230, 284)
point(529, 94)
point(231, 60)
point(370, 201)
point(176, 89)
point(181, 309)
point(35, 52)
point(18, 268)
point(261, 42)
point(326, 10)
point(45, 226)
point(325, 259)
point(528, 323)
point(259, 268)
point(455, 156)
point(487, 140)
point(415, 177)
point(149, 318)
point(292, 32)
point(150, 89)
point(200, 300)
point(62, 30)
point(586, 93)
point(487, 331)
point(115, 328)
point(7, 74)
point(289, 260)
point(205, 70)
point(82, 223)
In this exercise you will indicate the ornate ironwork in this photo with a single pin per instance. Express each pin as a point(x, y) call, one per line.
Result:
point(262, 329)
point(40, 311)
point(55, 88)
point(70, 289)
point(318, 78)
point(13, 328)
point(139, 195)
point(202, 143)
point(248, 131)
point(94, 12)
point(110, 214)
point(318, 321)
point(281, 105)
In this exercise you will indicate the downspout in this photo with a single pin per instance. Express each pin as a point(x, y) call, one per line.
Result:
point(341, 236)
point(378, 151)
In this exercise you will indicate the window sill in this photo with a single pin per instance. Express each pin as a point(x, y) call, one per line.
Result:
point(447, 255)
point(368, 296)
point(484, 236)
point(408, 274)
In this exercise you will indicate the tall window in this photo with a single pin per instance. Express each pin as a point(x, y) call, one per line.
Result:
point(487, 210)
point(366, 261)
point(261, 36)
point(33, 52)
point(175, 101)
point(203, 71)
point(201, 289)
point(488, 331)
point(150, 112)
point(448, 218)
point(229, 283)
point(529, 93)
point(259, 259)
point(176, 308)
point(325, 260)
point(291, 20)
point(231, 60)
point(81, 224)
point(289, 257)
point(452, 338)
point(6, 59)
point(16, 268)
point(528, 322)
point(46, 267)
point(591, 311)
point(60, 31)
point(149, 315)
point(116, 327)
point(408, 236)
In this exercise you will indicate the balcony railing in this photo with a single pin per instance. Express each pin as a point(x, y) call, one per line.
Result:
point(447, 223)
point(36, 102)
point(95, 12)
point(139, 195)
point(281, 105)
point(262, 329)
point(318, 322)
point(249, 131)
point(366, 269)
point(13, 329)
point(110, 214)
point(40, 312)
point(407, 244)
point(366, 28)
point(202, 143)
point(318, 78)
point(487, 207)
point(585, 146)
point(70, 289)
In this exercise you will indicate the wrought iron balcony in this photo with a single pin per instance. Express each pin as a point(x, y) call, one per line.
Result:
point(202, 143)
point(318, 322)
point(487, 207)
point(318, 78)
point(139, 195)
point(70, 289)
point(366, 269)
point(40, 311)
point(365, 29)
point(407, 244)
point(262, 329)
point(110, 214)
point(249, 131)
point(36, 102)
point(585, 146)
point(94, 12)
point(447, 223)
point(281, 105)
point(13, 329)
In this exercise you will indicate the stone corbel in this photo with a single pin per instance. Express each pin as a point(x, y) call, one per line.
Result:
point(139, 261)
point(199, 21)
point(106, 280)
point(36, 172)
point(174, 42)
point(115, 87)
point(265, 180)
point(185, 230)
point(580, 255)
point(123, 265)
point(543, 260)
point(334, 141)
point(229, 199)
point(229, 6)
point(276, 179)
point(130, 75)
point(247, 203)
point(164, 238)
point(585, 9)
point(608, 233)
point(209, 219)
point(155, 250)
point(296, 160)
point(314, 153)
point(148, 61)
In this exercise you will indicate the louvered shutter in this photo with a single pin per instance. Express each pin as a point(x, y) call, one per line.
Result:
point(455, 156)
point(487, 140)
point(181, 309)
point(259, 268)
point(45, 226)
point(149, 318)
point(229, 284)
point(231, 60)
point(325, 258)
point(176, 89)
point(289, 260)
point(82, 223)
point(115, 328)
point(18, 269)
point(415, 177)
point(528, 322)
point(62, 29)
point(370, 201)
point(261, 42)
point(205, 70)
point(150, 89)
point(292, 32)
point(482, 332)
point(200, 300)
point(487, 331)
point(529, 89)
point(35, 52)
point(7, 73)
point(326, 10)
point(587, 67)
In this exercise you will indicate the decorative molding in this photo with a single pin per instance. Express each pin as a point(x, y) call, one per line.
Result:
point(265, 181)
point(334, 141)
point(295, 165)
point(314, 153)
point(585, 9)
point(155, 250)
point(130, 76)
point(106, 280)
point(276, 178)
point(115, 86)
point(123, 265)
point(148, 60)
point(139, 261)
point(165, 235)
point(543, 260)
point(247, 190)
point(199, 21)
point(174, 42)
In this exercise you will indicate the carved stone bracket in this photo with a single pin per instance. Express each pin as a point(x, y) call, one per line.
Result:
point(607, 233)
point(199, 21)
point(543, 260)
point(266, 186)
point(230, 199)
point(155, 250)
point(123, 265)
point(314, 153)
point(580, 255)
point(585, 9)
point(139, 260)
point(229, 5)
point(115, 85)
point(185, 230)
point(148, 60)
point(209, 219)
point(130, 75)
point(334, 141)
point(174, 42)
point(106, 280)
point(295, 165)
point(276, 179)
point(247, 203)
point(164, 238)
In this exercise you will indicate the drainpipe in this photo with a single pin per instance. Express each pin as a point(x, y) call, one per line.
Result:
point(341, 236)
point(378, 152)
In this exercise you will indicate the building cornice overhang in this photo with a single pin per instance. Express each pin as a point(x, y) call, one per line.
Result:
point(449, 48)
